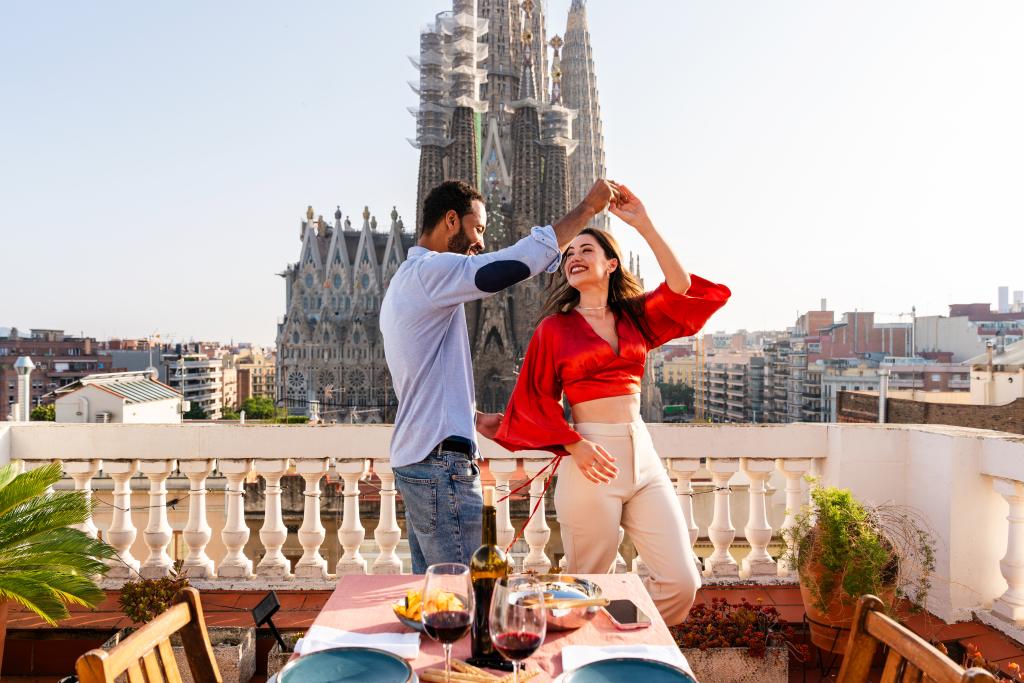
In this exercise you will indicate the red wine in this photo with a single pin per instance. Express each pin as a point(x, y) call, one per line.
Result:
point(517, 645)
point(447, 626)
point(487, 566)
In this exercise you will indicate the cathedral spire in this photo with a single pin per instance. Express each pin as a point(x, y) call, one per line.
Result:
point(579, 92)
point(556, 69)
point(527, 81)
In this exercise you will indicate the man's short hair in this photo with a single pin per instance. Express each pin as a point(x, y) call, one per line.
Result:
point(451, 195)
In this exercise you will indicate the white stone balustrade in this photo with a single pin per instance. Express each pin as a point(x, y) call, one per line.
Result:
point(235, 564)
point(312, 564)
point(198, 533)
point(122, 531)
point(722, 532)
point(83, 471)
point(968, 484)
point(351, 532)
point(388, 533)
point(758, 531)
point(274, 533)
point(158, 531)
point(537, 531)
point(794, 471)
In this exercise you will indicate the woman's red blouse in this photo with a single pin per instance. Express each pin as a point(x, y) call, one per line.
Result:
point(566, 354)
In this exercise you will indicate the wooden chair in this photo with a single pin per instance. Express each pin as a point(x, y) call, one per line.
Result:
point(910, 660)
point(137, 657)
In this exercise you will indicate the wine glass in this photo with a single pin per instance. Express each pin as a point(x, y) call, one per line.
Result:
point(518, 619)
point(447, 611)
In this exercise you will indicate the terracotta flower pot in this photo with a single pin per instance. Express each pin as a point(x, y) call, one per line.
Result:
point(830, 628)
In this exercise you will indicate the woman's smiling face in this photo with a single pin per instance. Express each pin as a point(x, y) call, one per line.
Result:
point(586, 262)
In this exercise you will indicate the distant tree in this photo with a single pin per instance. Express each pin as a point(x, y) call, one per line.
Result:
point(677, 395)
point(259, 408)
point(195, 413)
point(47, 413)
point(229, 414)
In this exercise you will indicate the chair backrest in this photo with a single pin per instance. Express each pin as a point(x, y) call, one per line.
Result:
point(146, 656)
point(910, 660)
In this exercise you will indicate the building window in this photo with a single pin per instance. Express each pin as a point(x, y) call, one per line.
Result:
point(936, 377)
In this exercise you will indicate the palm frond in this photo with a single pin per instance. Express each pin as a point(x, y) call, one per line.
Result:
point(47, 592)
point(44, 564)
point(27, 485)
point(41, 514)
point(68, 549)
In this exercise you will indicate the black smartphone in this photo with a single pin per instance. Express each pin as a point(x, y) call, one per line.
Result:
point(626, 615)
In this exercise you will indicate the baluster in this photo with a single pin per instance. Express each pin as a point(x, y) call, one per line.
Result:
point(1011, 603)
point(121, 534)
point(351, 532)
point(158, 533)
point(235, 534)
point(758, 530)
point(537, 531)
point(721, 532)
point(274, 533)
point(503, 469)
point(794, 471)
point(685, 471)
point(388, 533)
point(311, 565)
point(83, 471)
point(197, 532)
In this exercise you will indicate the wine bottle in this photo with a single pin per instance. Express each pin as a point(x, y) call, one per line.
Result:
point(487, 566)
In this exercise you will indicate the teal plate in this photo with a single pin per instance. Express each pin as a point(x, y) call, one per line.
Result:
point(344, 664)
point(627, 669)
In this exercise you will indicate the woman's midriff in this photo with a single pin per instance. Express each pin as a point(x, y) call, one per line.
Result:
point(611, 410)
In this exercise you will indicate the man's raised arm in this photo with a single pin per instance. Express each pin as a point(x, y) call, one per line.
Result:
point(603, 193)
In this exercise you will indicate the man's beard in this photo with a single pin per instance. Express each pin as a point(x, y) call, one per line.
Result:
point(460, 244)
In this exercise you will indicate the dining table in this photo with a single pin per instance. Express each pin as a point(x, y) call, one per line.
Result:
point(362, 603)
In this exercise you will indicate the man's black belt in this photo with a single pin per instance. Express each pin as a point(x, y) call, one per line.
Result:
point(456, 445)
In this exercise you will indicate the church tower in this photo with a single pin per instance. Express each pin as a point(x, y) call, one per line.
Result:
point(495, 112)
point(579, 90)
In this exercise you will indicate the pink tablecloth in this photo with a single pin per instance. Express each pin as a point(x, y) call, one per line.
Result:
point(363, 604)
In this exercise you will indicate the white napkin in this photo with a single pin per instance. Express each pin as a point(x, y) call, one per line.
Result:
point(405, 645)
point(575, 656)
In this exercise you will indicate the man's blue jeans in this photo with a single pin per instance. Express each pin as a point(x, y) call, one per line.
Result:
point(443, 508)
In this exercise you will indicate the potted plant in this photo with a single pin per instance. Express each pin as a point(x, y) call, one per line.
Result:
point(843, 549)
point(44, 563)
point(738, 642)
point(234, 648)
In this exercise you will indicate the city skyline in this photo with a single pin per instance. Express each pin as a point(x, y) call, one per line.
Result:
point(841, 153)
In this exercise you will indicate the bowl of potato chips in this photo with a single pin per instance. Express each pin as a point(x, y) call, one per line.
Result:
point(409, 610)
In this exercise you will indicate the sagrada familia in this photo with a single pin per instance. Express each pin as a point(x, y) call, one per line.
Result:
point(501, 106)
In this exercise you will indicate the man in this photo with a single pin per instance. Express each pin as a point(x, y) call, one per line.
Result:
point(426, 343)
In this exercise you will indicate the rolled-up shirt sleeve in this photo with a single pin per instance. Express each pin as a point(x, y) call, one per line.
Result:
point(450, 279)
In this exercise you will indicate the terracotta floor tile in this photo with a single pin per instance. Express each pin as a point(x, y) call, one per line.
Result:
point(250, 600)
point(1004, 664)
point(994, 646)
point(962, 630)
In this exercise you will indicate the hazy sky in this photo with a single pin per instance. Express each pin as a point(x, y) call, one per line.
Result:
point(156, 158)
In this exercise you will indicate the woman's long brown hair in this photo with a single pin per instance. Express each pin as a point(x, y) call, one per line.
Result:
point(625, 293)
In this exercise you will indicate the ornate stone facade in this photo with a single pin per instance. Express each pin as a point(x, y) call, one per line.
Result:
point(491, 113)
point(329, 345)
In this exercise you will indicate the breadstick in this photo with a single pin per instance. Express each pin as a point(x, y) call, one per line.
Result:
point(438, 676)
point(524, 675)
point(467, 668)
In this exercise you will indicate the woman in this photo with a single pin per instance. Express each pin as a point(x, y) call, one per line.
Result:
point(592, 343)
